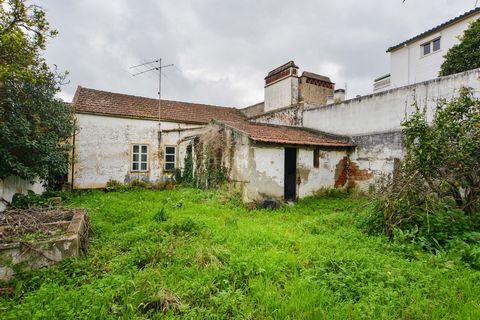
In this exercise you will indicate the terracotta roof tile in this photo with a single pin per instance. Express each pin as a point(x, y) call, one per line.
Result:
point(115, 104)
point(286, 135)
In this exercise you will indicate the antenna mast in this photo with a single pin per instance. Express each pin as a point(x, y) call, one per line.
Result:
point(150, 68)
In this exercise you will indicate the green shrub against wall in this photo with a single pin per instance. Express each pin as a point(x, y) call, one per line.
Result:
point(435, 197)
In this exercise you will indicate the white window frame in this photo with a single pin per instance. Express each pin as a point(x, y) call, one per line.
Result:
point(139, 160)
point(430, 45)
point(174, 154)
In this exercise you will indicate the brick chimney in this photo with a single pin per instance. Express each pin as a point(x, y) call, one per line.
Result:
point(283, 87)
point(315, 88)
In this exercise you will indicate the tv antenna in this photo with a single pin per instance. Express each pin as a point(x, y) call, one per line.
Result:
point(154, 66)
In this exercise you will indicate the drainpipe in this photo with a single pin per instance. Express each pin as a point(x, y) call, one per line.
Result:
point(73, 155)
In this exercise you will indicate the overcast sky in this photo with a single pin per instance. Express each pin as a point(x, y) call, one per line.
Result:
point(223, 49)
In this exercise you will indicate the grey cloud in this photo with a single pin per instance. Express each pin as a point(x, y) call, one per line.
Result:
point(225, 48)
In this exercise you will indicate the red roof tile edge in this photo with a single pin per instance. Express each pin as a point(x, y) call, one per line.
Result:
point(330, 140)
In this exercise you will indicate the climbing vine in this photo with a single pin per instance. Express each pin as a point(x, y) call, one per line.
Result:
point(212, 154)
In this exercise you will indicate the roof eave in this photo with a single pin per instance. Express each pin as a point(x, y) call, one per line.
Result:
point(311, 144)
point(433, 30)
point(123, 116)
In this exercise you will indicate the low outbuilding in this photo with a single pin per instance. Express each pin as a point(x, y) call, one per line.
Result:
point(278, 163)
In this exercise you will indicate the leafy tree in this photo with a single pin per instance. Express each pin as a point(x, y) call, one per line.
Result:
point(34, 125)
point(465, 55)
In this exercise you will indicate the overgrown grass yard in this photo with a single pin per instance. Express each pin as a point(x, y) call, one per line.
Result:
point(206, 257)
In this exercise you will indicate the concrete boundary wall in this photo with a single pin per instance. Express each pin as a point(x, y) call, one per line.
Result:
point(11, 185)
point(385, 111)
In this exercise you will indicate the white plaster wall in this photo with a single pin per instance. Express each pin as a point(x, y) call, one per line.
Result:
point(12, 185)
point(281, 94)
point(385, 111)
point(408, 66)
point(374, 121)
point(260, 170)
point(241, 165)
point(102, 148)
point(180, 140)
point(267, 178)
point(313, 179)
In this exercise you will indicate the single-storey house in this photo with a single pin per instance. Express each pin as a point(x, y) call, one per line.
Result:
point(273, 162)
point(122, 137)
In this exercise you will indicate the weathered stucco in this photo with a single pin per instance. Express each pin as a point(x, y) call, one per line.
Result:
point(378, 154)
point(290, 116)
point(12, 185)
point(103, 148)
point(374, 121)
point(259, 168)
point(181, 139)
point(281, 94)
point(254, 110)
point(385, 111)
point(312, 179)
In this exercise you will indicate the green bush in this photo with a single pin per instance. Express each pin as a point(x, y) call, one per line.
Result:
point(137, 183)
point(29, 200)
point(433, 197)
point(114, 185)
point(415, 217)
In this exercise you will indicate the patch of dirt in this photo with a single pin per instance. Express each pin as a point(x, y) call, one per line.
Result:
point(33, 223)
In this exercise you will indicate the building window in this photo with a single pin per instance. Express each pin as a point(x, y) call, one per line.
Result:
point(431, 46)
point(316, 158)
point(170, 154)
point(139, 157)
point(436, 44)
point(426, 48)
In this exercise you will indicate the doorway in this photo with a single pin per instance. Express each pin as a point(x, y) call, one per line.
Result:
point(290, 188)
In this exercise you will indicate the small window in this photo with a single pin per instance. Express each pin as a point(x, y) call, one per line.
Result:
point(170, 153)
point(139, 157)
point(431, 46)
point(426, 48)
point(316, 158)
point(436, 44)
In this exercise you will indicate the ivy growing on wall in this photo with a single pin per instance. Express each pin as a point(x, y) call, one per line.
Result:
point(212, 158)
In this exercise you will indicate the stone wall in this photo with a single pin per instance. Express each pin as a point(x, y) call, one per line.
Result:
point(17, 257)
point(290, 116)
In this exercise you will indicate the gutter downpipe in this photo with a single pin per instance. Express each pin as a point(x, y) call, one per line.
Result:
point(73, 156)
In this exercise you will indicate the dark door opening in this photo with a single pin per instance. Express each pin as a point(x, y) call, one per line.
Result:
point(290, 189)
